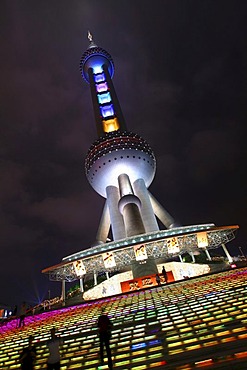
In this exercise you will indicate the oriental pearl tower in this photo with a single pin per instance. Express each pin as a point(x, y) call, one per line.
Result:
point(120, 165)
point(135, 232)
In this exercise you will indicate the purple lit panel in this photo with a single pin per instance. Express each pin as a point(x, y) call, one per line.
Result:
point(102, 87)
point(107, 111)
point(99, 78)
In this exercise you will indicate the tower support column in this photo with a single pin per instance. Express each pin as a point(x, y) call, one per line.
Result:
point(147, 213)
point(81, 285)
point(193, 257)
point(104, 226)
point(129, 206)
point(229, 257)
point(95, 278)
point(63, 296)
point(132, 220)
point(161, 213)
point(208, 255)
point(117, 223)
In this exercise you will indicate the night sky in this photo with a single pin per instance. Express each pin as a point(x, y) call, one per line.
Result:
point(180, 76)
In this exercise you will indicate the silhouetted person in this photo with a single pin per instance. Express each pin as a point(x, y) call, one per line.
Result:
point(157, 277)
point(23, 311)
point(105, 326)
point(28, 356)
point(53, 361)
point(164, 273)
point(14, 313)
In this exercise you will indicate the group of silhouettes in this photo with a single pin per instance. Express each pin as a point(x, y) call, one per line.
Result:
point(28, 355)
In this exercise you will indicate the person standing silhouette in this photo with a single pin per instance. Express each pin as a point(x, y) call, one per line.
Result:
point(53, 361)
point(14, 313)
point(157, 277)
point(164, 273)
point(28, 356)
point(23, 311)
point(105, 327)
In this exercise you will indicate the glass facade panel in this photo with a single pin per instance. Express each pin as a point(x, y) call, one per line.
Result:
point(111, 125)
point(107, 111)
point(99, 77)
point(104, 98)
point(101, 87)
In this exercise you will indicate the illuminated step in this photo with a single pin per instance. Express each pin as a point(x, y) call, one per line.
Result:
point(191, 325)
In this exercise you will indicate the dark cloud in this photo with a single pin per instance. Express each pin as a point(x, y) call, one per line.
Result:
point(68, 214)
point(180, 72)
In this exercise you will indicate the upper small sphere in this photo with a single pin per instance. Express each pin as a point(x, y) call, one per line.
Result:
point(119, 153)
point(95, 57)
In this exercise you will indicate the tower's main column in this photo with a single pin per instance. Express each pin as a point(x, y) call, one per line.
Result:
point(129, 206)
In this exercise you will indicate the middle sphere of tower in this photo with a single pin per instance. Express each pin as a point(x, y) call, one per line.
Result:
point(117, 153)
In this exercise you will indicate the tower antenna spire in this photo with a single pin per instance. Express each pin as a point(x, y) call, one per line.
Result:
point(90, 38)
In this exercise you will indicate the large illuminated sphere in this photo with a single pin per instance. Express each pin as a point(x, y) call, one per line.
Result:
point(117, 153)
point(95, 57)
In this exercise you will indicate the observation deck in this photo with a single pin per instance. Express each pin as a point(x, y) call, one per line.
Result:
point(156, 245)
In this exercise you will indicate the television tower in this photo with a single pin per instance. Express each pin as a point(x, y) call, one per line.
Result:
point(120, 165)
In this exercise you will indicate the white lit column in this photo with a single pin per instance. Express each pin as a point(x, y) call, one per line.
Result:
point(117, 223)
point(193, 257)
point(104, 226)
point(95, 278)
point(208, 255)
point(81, 285)
point(63, 296)
point(147, 212)
point(129, 206)
point(229, 257)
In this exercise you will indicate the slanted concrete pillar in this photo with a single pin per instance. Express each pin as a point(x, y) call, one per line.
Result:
point(132, 219)
point(95, 278)
point(129, 206)
point(193, 257)
point(208, 255)
point(147, 212)
point(229, 257)
point(180, 258)
point(104, 226)
point(81, 285)
point(63, 296)
point(117, 222)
